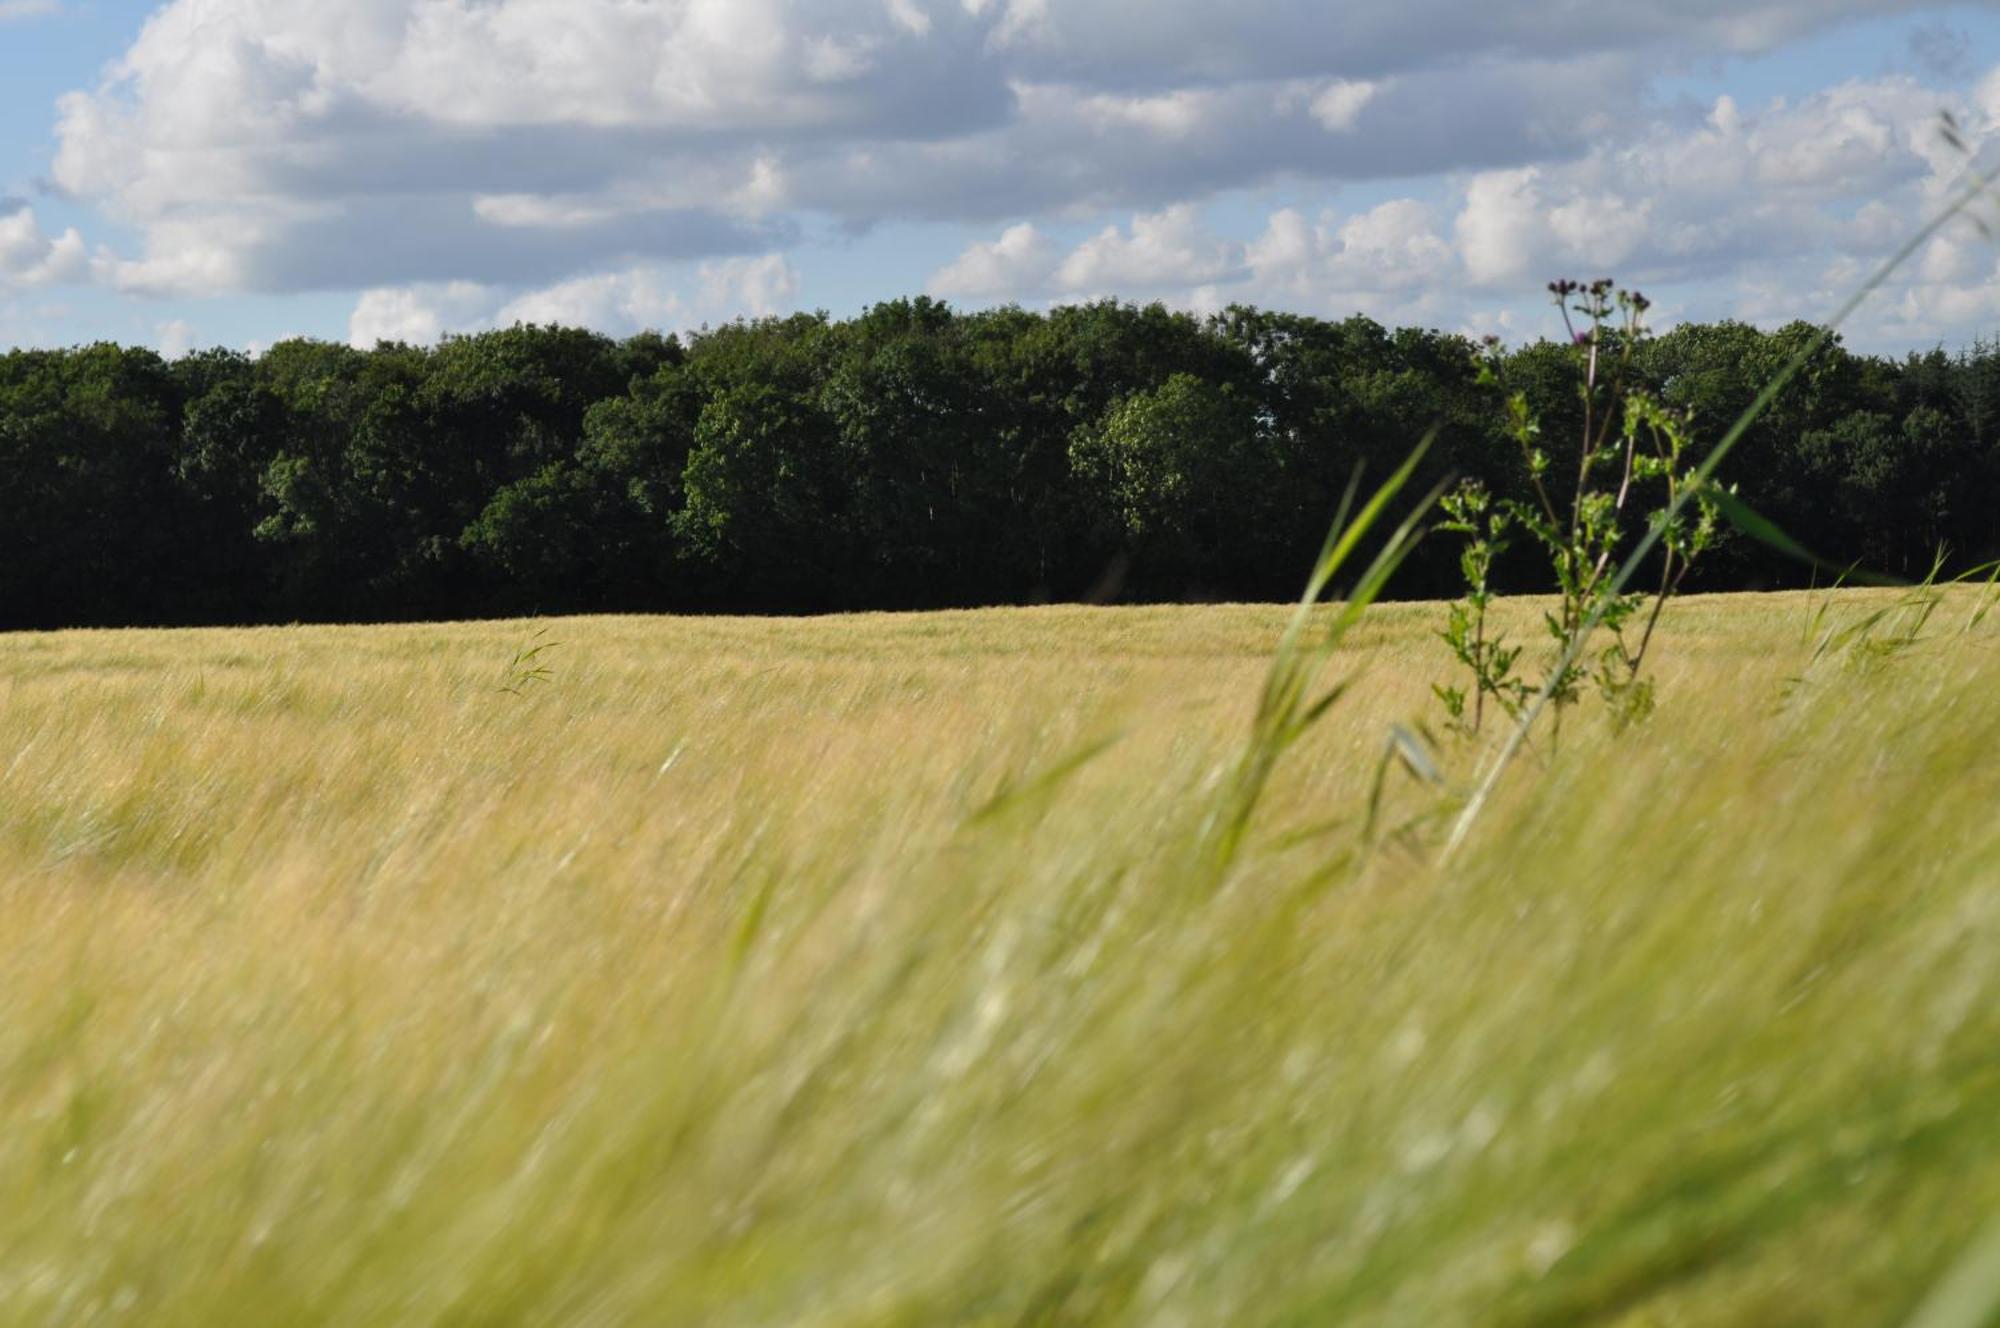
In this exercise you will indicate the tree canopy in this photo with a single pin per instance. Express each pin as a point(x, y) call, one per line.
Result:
point(912, 457)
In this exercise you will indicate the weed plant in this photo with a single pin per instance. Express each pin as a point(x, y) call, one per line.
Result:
point(1696, 494)
point(1631, 445)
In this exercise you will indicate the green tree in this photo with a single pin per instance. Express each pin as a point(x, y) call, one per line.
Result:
point(767, 512)
point(91, 521)
point(1183, 476)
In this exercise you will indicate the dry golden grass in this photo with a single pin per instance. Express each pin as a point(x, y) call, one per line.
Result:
point(751, 972)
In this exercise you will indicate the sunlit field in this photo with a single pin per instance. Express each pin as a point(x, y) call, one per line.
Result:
point(868, 971)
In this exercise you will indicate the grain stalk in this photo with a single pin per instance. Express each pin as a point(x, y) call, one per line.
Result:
point(1287, 707)
point(527, 669)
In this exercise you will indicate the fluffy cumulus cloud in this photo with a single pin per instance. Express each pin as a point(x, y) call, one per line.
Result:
point(621, 301)
point(1166, 250)
point(1373, 258)
point(1021, 262)
point(29, 256)
point(419, 314)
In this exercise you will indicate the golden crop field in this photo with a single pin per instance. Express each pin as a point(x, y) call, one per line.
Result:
point(869, 971)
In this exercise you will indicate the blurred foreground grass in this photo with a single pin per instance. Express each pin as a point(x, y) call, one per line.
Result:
point(755, 973)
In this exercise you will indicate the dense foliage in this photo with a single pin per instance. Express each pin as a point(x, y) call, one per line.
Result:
point(912, 457)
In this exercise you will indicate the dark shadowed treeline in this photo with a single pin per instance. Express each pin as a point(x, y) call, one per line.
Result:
point(913, 457)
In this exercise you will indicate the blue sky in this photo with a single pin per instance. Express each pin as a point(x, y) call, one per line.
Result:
point(234, 171)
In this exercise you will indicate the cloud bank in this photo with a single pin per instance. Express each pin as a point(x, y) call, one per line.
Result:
point(460, 161)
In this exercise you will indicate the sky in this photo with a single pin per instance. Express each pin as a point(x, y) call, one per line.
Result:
point(233, 172)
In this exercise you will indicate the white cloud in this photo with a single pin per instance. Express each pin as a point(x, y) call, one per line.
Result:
point(1021, 262)
point(417, 314)
point(1170, 115)
point(1165, 250)
point(1391, 249)
point(1338, 106)
point(16, 10)
point(758, 287)
point(618, 302)
point(1511, 228)
point(1387, 258)
point(1600, 230)
point(174, 338)
point(31, 257)
point(910, 15)
point(1986, 96)
point(1954, 260)
point(1018, 21)
point(1500, 226)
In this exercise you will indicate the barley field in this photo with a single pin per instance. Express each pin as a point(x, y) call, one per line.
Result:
point(871, 971)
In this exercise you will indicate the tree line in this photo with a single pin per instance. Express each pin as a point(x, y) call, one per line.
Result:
point(912, 457)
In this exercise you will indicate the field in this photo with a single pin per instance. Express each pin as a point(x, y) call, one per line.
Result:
point(867, 971)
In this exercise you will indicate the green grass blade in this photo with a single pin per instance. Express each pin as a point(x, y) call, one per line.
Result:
point(1969, 1296)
